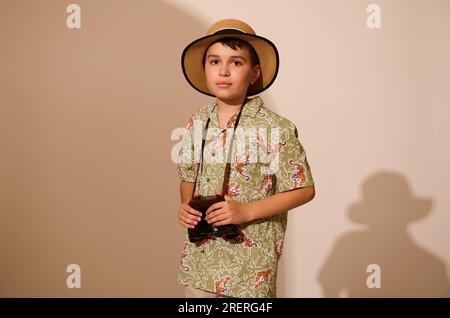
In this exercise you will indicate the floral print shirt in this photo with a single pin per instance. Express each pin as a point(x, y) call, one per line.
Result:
point(268, 159)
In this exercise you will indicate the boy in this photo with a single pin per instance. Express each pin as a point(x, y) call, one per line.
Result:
point(265, 180)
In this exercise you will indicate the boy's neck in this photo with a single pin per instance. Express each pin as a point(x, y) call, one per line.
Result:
point(230, 107)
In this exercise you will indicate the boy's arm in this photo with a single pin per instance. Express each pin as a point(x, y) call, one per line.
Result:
point(186, 189)
point(292, 159)
point(279, 203)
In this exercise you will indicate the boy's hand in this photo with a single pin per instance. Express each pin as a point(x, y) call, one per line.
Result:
point(227, 212)
point(187, 216)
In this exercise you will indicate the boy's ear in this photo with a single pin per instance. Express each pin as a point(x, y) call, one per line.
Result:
point(256, 73)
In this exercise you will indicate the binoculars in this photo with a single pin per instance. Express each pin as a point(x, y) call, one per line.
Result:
point(205, 230)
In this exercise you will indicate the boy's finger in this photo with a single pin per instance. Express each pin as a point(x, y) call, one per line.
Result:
point(211, 215)
point(215, 206)
point(190, 210)
point(196, 194)
point(188, 220)
point(191, 217)
point(185, 225)
point(194, 212)
point(217, 218)
point(220, 223)
point(188, 226)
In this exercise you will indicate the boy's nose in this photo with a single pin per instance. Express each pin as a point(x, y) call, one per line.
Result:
point(223, 71)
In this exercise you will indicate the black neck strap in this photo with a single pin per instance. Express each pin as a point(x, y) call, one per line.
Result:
point(226, 177)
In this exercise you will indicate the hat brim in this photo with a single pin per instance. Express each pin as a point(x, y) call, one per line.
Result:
point(191, 61)
point(413, 210)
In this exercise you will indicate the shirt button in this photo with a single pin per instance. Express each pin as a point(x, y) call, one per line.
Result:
point(208, 179)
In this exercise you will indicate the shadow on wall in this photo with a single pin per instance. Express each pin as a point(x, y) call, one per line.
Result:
point(86, 172)
point(87, 175)
point(407, 269)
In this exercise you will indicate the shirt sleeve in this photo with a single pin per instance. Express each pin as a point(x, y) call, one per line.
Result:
point(293, 169)
point(186, 165)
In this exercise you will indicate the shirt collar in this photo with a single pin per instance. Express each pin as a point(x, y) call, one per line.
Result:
point(250, 108)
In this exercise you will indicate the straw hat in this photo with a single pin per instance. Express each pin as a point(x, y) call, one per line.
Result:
point(191, 59)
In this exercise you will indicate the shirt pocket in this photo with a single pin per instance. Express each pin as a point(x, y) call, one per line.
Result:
point(255, 174)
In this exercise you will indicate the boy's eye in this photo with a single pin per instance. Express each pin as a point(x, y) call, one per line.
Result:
point(236, 62)
point(214, 62)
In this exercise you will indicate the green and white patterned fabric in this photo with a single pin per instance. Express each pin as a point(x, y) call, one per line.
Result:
point(267, 159)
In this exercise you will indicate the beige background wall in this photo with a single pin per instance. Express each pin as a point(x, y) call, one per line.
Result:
point(86, 117)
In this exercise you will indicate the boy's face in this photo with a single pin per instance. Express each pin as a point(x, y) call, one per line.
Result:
point(229, 72)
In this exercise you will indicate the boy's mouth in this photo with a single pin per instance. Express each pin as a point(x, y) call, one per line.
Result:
point(223, 84)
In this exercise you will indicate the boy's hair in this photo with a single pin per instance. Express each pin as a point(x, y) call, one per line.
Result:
point(234, 43)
